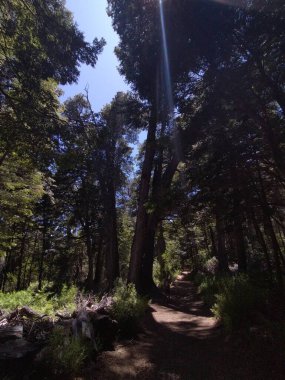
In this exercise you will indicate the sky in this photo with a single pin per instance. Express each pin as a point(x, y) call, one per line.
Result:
point(104, 81)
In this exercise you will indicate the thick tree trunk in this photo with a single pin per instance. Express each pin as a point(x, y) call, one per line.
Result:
point(239, 236)
point(147, 284)
point(277, 92)
point(111, 238)
point(21, 260)
point(262, 243)
point(6, 269)
point(206, 240)
point(99, 266)
point(43, 252)
point(221, 241)
point(90, 256)
point(269, 230)
point(238, 220)
point(274, 144)
point(161, 185)
point(214, 247)
point(140, 234)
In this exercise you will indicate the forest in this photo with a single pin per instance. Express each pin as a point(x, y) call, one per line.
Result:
point(83, 216)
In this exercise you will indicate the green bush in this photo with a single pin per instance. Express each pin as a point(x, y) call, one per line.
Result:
point(128, 308)
point(209, 287)
point(41, 301)
point(237, 301)
point(170, 268)
point(66, 354)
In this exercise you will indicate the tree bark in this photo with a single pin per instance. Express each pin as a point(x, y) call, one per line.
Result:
point(221, 243)
point(111, 237)
point(140, 234)
point(262, 243)
point(21, 259)
point(161, 185)
point(90, 256)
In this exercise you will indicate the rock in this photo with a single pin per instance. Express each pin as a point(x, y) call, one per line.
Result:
point(99, 328)
point(105, 329)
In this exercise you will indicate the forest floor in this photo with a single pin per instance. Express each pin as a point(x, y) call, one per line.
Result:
point(182, 341)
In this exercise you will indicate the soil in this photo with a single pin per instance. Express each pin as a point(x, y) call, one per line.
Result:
point(181, 340)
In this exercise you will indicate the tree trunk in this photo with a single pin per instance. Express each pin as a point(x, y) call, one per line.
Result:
point(262, 243)
point(90, 256)
point(147, 284)
point(111, 237)
point(269, 230)
point(140, 234)
point(214, 247)
point(161, 185)
point(42, 254)
point(99, 266)
point(221, 241)
point(239, 238)
point(21, 259)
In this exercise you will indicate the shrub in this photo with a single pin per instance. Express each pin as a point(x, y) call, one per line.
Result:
point(41, 301)
point(128, 308)
point(237, 301)
point(211, 265)
point(170, 268)
point(66, 354)
point(209, 287)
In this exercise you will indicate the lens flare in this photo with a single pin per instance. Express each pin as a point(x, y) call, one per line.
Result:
point(168, 81)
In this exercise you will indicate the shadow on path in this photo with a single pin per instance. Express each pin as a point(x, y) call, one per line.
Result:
point(181, 340)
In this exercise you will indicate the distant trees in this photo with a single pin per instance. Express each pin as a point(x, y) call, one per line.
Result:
point(40, 47)
point(93, 164)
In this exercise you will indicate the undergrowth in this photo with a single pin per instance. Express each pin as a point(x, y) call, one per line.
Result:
point(235, 300)
point(128, 308)
point(66, 354)
point(41, 301)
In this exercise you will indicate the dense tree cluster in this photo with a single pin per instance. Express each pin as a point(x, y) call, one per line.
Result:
point(208, 86)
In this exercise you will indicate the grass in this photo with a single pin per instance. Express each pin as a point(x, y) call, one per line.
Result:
point(234, 300)
point(128, 308)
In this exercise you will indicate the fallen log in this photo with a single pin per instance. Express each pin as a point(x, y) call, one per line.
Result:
point(64, 317)
point(104, 306)
point(25, 311)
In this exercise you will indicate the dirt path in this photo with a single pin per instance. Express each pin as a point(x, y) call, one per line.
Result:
point(181, 340)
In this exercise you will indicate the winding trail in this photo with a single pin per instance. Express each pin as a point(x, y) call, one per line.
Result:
point(181, 341)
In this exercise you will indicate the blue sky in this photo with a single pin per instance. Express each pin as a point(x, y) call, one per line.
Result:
point(103, 81)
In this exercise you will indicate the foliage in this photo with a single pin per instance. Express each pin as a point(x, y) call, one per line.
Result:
point(66, 354)
point(167, 264)
point(237, 301)
point(209, 287)
point(158, 275)
point(40, 301)
point(125, 233)
point(211, 265)
point(128, 307)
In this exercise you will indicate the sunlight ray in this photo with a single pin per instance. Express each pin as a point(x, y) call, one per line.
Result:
point(168, 81)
